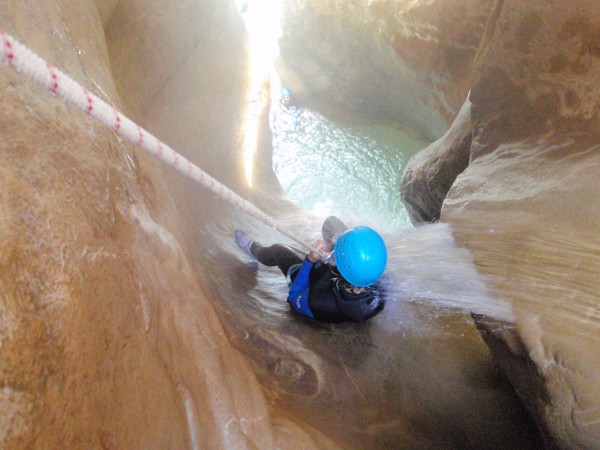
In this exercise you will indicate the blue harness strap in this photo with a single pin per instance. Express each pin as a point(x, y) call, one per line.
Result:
point(298, 296)
point(291, 271)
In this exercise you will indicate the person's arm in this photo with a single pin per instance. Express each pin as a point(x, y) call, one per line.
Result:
point(298, 296)
point(320, 246)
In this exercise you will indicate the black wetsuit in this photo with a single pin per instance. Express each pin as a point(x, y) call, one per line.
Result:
point(329, 300)
point(318, 291)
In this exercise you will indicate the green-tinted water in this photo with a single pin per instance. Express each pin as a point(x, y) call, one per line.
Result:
point(353, 170)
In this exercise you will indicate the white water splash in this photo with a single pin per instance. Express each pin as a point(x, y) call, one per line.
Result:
point(427, 266)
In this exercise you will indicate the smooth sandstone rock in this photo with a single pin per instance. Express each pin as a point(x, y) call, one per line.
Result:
point(332, 379)
point(107, 336)
point(402, 60)
point(527, 205)
point(429, 174)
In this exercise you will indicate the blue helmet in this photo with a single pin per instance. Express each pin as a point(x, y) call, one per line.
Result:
point(360, 255)
point(285, 92)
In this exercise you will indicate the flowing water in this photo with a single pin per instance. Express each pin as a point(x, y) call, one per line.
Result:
point(348, 168)
point(353, 169)
point(400, 380)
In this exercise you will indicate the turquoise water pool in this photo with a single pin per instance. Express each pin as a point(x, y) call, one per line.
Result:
point(349, 168)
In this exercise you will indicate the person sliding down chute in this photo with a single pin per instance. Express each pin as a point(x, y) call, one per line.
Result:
point(346, 288)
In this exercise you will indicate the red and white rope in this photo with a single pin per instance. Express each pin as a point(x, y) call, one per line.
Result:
point(27, 63)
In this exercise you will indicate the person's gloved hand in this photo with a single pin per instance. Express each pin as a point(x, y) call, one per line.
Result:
point(322, 246)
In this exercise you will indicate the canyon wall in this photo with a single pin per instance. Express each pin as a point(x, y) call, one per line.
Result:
point(404, 61)
point(525, 201)
point(107, 336)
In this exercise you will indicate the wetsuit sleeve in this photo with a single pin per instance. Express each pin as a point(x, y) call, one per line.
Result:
point(298, 296)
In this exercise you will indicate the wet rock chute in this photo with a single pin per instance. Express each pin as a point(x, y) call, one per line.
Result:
point(27, 63)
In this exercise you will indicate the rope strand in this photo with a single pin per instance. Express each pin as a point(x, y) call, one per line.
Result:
point(29, 64)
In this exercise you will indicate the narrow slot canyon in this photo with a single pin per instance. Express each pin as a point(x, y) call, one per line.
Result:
point(466, 131)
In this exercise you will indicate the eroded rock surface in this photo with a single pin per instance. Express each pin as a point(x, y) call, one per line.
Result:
point(332, 378)
point(402, 60)
point(107, 335)
point(429, 175)
point(527, 205)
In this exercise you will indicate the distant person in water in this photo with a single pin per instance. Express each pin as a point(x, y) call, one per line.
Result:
point(287, 103)
point(284, 113)
point(346, 288)
point(286, 97)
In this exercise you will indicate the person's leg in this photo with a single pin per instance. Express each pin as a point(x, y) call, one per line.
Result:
point(276, 255)
point(332, 228)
